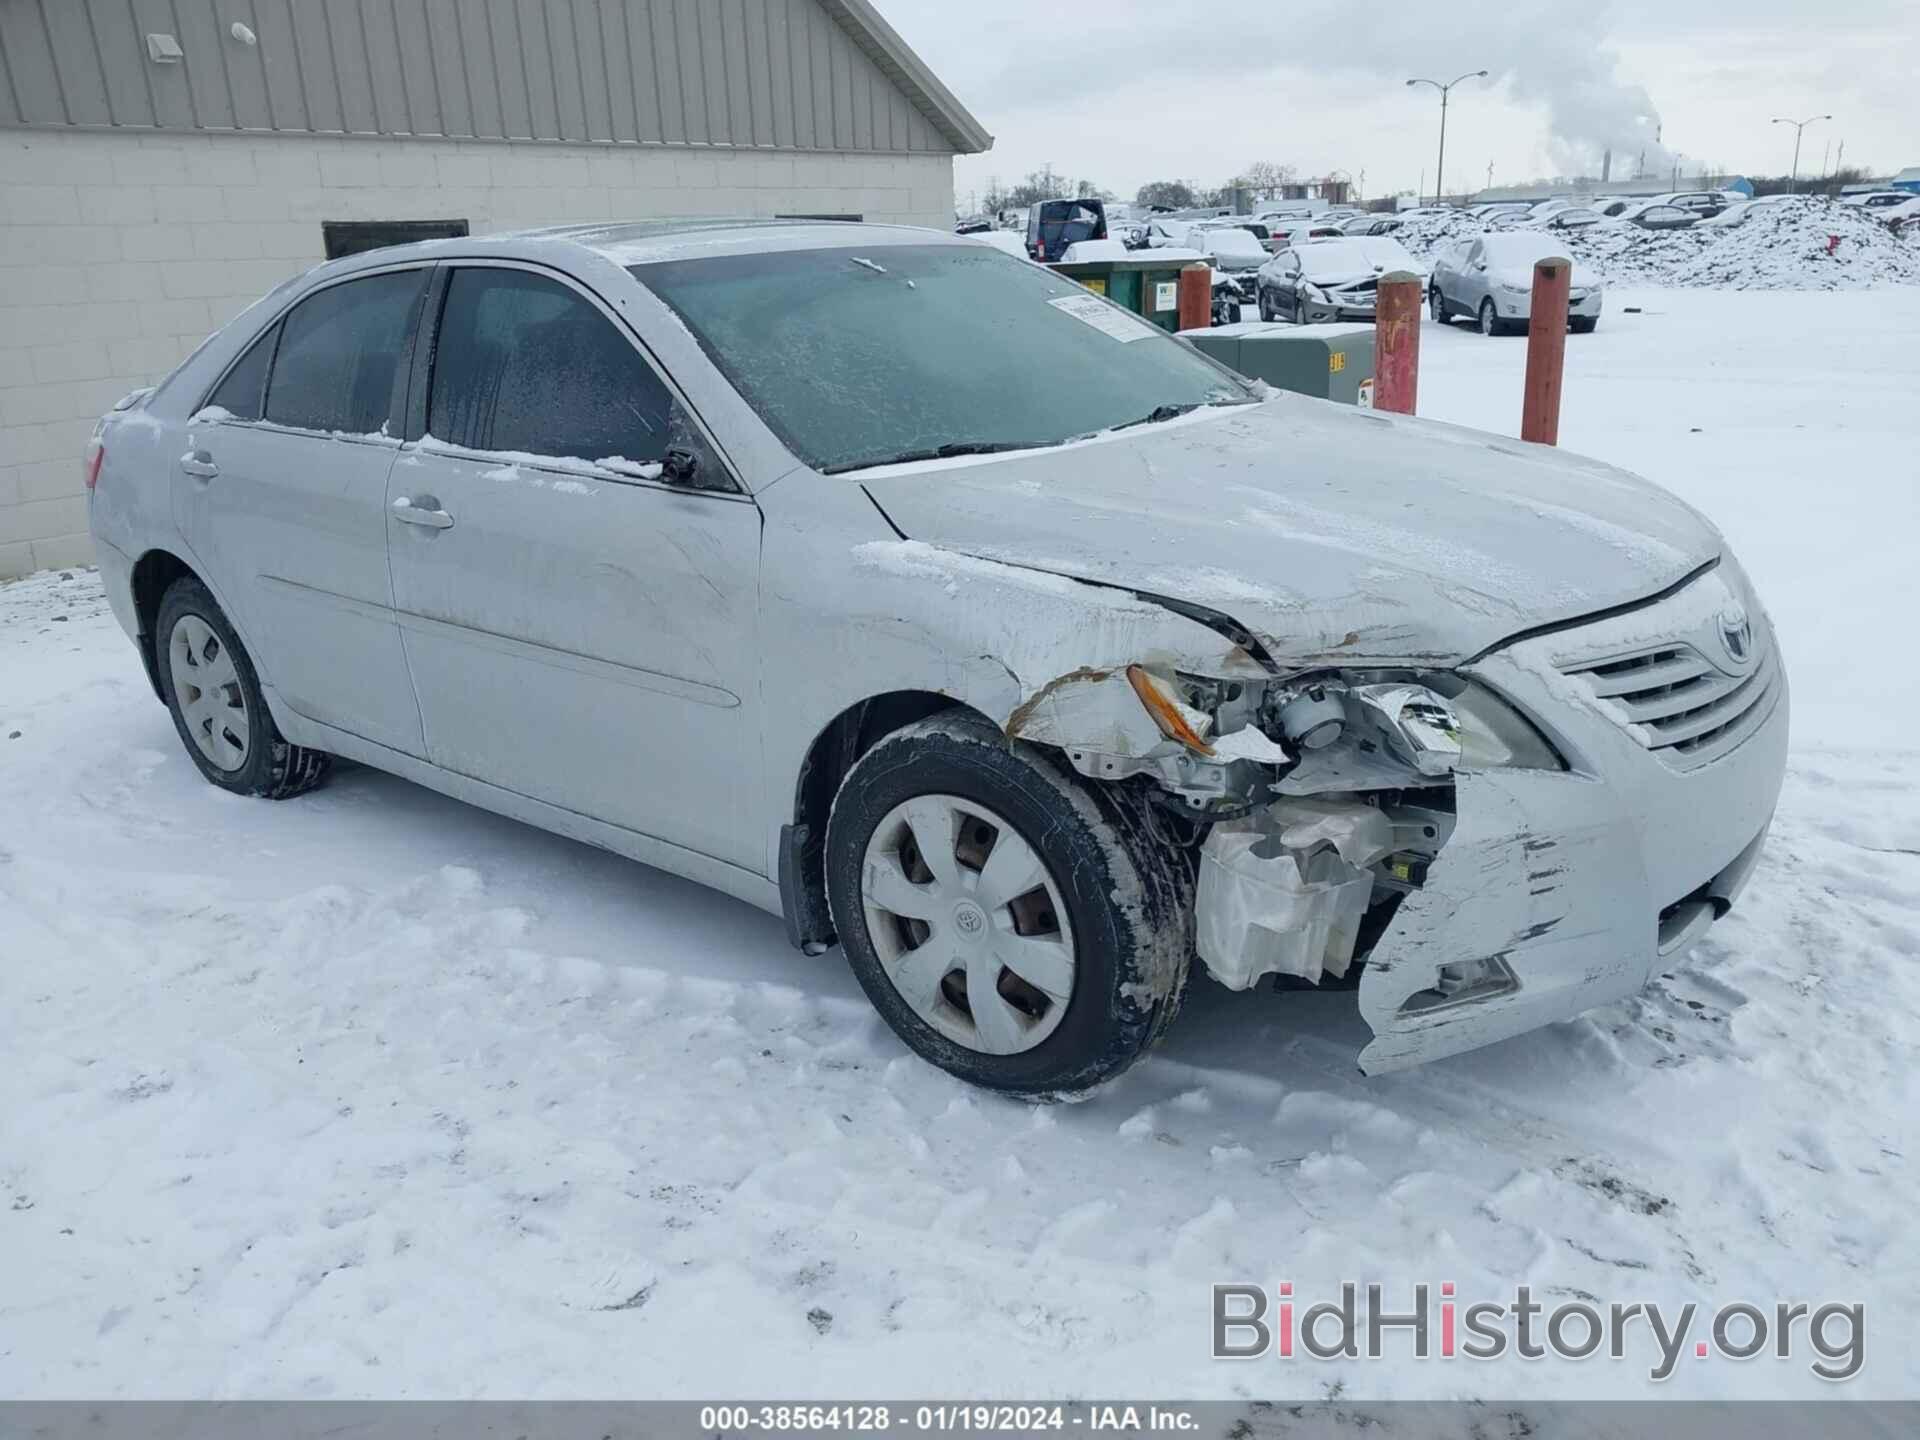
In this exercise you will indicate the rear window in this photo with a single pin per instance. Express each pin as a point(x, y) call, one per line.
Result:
point(241, 393)
point(340, 352)
point(859, 357)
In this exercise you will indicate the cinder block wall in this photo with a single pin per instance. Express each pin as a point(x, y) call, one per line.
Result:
point(120, 252)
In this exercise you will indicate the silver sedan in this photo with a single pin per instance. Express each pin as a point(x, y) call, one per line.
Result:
point(916, 594)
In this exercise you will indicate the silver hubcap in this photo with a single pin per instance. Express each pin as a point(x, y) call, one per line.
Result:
point(1486, 317)
point(207, 689)
point(968, 924)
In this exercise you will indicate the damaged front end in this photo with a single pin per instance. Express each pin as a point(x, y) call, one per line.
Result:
point(1321, 800)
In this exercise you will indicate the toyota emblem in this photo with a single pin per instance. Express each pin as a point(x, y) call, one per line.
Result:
point(1736, 633)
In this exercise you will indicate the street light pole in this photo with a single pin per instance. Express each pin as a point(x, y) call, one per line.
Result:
point(1440, 174)
point(1793, 180)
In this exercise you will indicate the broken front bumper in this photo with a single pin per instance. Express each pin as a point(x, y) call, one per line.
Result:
point(1558, 892)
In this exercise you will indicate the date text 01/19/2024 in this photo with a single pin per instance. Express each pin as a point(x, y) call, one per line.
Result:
point(978, 1418)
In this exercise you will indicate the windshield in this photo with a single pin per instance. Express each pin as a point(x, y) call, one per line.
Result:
point(1334, 257)
point(1383, 250)
point(865, 356)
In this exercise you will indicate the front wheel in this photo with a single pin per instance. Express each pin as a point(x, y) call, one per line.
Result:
point(1489, 319)
point(1437, 306)
point(1015, 927)
point(1583, 324)
point(1266, 308)
point(211, 690)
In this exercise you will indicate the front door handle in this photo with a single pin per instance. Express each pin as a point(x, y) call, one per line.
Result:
point(421, 510)
point(199, 464)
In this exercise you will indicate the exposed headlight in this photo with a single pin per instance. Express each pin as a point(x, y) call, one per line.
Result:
point(1314, 292)
point(1494, 735)
point(1174, 717)
point(1513, 289)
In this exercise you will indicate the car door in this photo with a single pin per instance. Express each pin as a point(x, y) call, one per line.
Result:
point(281, 494)
point(1472, 285)
point(580, 627)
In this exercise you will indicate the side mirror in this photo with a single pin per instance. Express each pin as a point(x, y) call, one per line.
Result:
point(679, 465)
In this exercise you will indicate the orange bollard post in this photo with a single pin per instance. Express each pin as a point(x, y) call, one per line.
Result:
point(1546, 352)
point(1196, 297)
point(1396, 343)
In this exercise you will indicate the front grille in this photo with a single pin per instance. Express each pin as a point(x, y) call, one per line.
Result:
point(1679, 705)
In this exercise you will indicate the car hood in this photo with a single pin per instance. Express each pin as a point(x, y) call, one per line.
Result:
point(1335, 535)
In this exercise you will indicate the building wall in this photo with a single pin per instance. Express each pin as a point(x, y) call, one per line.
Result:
point(120, 252)
point(787, 74)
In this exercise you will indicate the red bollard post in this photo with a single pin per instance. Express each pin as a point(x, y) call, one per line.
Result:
point(1546, 352)
point(1196, 297)
point(1396, 343)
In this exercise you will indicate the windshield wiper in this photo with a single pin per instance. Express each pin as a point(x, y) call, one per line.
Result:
point(941, 452)
point(1173, 412)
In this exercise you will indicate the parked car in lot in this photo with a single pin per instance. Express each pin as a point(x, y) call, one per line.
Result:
point(1490, 279)
point(1237, 255)
point(913, 593)
point(1699, 203)
point(1878, 199)
point(1292, 232)
point(1053, 225)
point(1335, 279)
point(1657, 215)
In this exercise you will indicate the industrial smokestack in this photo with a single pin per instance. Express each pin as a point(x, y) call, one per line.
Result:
point(1606, 166)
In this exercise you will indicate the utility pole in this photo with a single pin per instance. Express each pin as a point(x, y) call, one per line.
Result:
point(1793, 180)
point(1440, 172)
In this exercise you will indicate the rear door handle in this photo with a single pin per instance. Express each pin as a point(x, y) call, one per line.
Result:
point(199, 464)
point(422, 510)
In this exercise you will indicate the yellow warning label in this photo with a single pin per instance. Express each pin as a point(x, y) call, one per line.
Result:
point(1098, 285)
point(1336, 361)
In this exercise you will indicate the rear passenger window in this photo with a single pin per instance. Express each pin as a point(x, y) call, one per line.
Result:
point(241, 393)
point(340, 354)
point(524, 363)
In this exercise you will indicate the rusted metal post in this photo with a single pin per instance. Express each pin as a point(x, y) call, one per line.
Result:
point(1396, 343)
point(1546, 352)
point(1196, 296)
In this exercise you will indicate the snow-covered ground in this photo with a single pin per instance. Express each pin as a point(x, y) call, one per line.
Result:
point(371, 1093)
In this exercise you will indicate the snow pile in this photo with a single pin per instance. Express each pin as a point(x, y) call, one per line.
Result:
point(1785, 247)
point(1778, 246)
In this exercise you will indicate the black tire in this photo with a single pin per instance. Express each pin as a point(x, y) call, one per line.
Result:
point(1584, 324)
point(1437, 304)
point(1132, 956)
point(1267, 312)
point(1490, 321)
point(273, 768)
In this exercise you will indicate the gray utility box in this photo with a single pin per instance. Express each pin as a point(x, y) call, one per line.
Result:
point(1330, 362)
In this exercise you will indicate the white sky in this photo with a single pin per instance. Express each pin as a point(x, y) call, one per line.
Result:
point(1125, 91)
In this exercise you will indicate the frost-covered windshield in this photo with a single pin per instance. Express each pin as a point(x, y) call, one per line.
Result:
point(861, 357)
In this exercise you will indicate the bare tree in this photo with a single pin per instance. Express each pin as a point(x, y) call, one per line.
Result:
point(1174, 194)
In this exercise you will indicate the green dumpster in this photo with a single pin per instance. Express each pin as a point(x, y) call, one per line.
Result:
point(1149, 287)
point(1331, 362)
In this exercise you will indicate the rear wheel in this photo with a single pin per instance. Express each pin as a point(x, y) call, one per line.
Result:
point(1437, 305)
point(214, 696)
point(1015, 927)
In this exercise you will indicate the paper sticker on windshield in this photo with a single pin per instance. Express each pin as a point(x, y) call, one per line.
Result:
point(1103, 317)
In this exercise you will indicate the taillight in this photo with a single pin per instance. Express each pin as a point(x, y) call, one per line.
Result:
point(96, 452)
